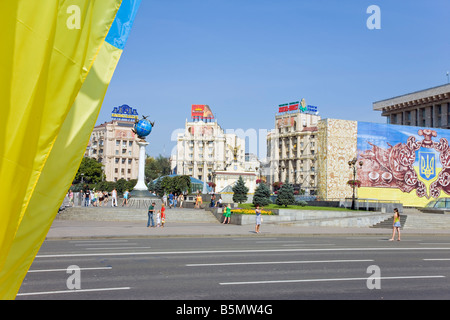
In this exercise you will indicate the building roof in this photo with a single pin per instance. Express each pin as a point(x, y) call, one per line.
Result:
point(422, 96)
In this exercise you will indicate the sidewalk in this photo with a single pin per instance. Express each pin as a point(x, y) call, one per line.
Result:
point(72, 229)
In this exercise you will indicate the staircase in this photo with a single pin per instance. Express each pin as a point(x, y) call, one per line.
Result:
point(418, 221)
point(131, 214)
point(387, 224)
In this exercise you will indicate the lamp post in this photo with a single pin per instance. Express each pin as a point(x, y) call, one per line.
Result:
point(352, 165)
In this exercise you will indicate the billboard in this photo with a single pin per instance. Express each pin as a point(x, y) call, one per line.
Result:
point(404, 163)
point(201, 111)
point(297, 105)
point(124, 112)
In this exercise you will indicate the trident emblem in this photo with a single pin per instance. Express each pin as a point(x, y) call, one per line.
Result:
point(427, 165)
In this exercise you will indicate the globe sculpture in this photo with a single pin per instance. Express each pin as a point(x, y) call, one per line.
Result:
point(143, 128)
point(140, 196)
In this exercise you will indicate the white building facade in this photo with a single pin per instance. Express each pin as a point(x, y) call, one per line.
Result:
point(204, 151)
point(291, 150)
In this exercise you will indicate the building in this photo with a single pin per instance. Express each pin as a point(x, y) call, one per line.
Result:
point(113, 144)
point(292, 147)
point(424, 108)
point(204, 151)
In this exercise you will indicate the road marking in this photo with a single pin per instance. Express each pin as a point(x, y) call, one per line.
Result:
point(116, 248)
point(71, 291)
point(229, 251)
point(441, 259)
point(54, 270)
point(326, 280)
point(271, 262)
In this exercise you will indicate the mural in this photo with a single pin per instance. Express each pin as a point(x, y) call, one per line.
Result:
point(411, 162)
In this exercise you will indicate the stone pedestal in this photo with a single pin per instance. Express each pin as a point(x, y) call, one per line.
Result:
point(140, 197)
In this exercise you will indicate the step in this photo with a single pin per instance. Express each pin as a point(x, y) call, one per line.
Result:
point(131, 214)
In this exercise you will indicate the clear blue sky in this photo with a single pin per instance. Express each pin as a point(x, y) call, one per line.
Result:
point(245, 57)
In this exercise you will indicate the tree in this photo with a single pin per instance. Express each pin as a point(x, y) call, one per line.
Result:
point(285, 195)
point(262, 195)
point(240, 191)
point(90, 170)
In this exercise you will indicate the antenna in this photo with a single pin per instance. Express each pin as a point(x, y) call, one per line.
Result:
point(448, 77)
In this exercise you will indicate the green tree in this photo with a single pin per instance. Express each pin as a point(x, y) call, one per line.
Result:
point(240, 191)
point(262, 195)
point(90, 170)
point(285, 195)
point(158, 188)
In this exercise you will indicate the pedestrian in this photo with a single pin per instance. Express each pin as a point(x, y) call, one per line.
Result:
point(170, 200)
point(396, 225)
point(164, 198)
point(158, 219)
point(163, 215)
point(87, 195)
point(227, 214)
point(175, 199)
point(151, 211)
point(71, 198)
point(125, 198)
point(258, 218)
point(114, 198)
point(181, 199)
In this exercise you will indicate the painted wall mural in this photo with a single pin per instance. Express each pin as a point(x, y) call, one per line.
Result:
point(408, 164)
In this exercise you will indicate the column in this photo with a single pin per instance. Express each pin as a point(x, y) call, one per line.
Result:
point(140, 185)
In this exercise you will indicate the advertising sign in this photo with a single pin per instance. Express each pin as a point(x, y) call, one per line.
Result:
point(408, 164)
point(201, 111)
point(297, 105)
point(124, 112)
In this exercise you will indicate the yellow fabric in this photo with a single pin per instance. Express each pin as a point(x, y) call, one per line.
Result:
point(43, 65)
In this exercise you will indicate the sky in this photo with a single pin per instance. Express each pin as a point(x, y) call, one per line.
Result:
point(243, 58)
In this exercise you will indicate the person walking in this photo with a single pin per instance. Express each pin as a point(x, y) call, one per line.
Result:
point(227, 214)
point(151, 211)
point(258, 218)
point(396, 225)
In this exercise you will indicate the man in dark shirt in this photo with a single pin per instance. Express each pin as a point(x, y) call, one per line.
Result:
point(151, 211)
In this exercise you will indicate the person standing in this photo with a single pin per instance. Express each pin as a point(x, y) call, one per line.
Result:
point(181, 199)
point(114, 198)
point(396, 225)
point(71, 198)
point(87, 197)
point(227, 214)
point(125, 198)
point(151, 211)
point(163, 215)
point(258, 218)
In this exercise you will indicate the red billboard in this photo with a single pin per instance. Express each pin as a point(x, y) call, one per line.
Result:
point(201, 111)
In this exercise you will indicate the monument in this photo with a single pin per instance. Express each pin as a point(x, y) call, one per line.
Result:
point(140, 197)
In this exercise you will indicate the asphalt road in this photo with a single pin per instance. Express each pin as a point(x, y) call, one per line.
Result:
point(241, 268)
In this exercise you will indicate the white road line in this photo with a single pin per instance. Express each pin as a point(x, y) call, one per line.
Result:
point(96, 241)
point(440, 259)
point(231, 251)
point(54, 270)
point(104, 244)
point(117, 248)
point(325, 280)
point(271, 262)
point(71, 291)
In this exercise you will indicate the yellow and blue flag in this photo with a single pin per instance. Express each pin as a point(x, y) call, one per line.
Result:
point(54, 74)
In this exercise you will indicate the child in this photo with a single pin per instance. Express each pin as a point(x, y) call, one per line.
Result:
point(396, 225)
point(163, 215)
point(158, 219)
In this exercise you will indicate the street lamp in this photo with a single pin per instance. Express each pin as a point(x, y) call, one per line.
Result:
point(352, 165)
